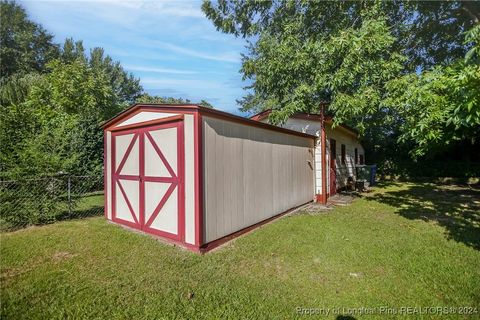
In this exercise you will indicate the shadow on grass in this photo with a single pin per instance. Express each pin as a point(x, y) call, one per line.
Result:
point(85, 206)
point(454, 207)
point(80, 214)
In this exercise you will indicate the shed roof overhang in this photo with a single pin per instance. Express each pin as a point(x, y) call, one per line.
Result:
point(185, 108)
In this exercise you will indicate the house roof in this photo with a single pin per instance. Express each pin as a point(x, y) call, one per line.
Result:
point(303, 116)
point(202, 110)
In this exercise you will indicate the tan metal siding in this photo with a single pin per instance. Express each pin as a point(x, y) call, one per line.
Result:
point(251, 174)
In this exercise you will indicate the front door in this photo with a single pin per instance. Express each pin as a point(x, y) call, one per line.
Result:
point(147, 179)
point(333, 167)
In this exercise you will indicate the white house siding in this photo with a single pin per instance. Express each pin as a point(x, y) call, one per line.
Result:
point(350, 140)
point(251, 174)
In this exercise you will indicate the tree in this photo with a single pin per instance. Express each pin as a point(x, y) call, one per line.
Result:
point(350, 54)
point(54, 99)
point(25, 46)
point(57, 127)
point(146, 98)
point(427, 32)
point(440, 106)
point(126, 87)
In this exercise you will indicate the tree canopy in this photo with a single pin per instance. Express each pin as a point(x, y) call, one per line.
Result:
point(146, 98)
point(53, 99)
point(24, 45)
point(380, 65)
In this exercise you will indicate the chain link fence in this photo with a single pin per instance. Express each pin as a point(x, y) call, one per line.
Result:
point(37, 201)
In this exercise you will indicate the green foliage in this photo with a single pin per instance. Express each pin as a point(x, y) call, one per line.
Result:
point(54, 99)
point(146, 98)
point(409, 170)
point(35, 201)
point(69, 106)
point(350, 68)
point(15, 89)
point(126, 88)
point(391, 69)
point(442, 105)
point(427, 32)
point(25, 46)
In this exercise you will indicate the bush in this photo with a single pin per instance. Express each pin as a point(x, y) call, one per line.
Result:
point(430, 169)
point(45, 200)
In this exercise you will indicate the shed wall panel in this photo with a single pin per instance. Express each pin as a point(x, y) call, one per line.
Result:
point(251, 174)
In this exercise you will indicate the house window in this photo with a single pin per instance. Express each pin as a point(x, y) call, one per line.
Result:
point(356, 156)
point(361, 159)
point(344, 161)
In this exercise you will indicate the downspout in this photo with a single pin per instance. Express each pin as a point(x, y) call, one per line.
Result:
point(323, 141)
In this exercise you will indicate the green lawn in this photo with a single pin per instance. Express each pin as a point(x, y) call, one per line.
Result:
point(412, 245)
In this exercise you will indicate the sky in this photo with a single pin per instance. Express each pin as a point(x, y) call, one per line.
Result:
point(170, 45)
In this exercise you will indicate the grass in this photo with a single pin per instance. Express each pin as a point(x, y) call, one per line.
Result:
point(403, 245)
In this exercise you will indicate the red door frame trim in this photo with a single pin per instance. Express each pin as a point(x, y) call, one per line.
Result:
point(141, 185)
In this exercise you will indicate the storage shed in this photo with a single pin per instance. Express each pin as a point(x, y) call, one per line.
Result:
point(197, 176)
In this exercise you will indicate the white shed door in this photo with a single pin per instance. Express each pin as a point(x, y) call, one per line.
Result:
point(148, 191)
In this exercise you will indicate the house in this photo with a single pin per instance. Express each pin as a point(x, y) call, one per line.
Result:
point(343, 149)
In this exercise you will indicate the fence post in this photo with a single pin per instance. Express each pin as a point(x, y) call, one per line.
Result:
point(69, 196)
